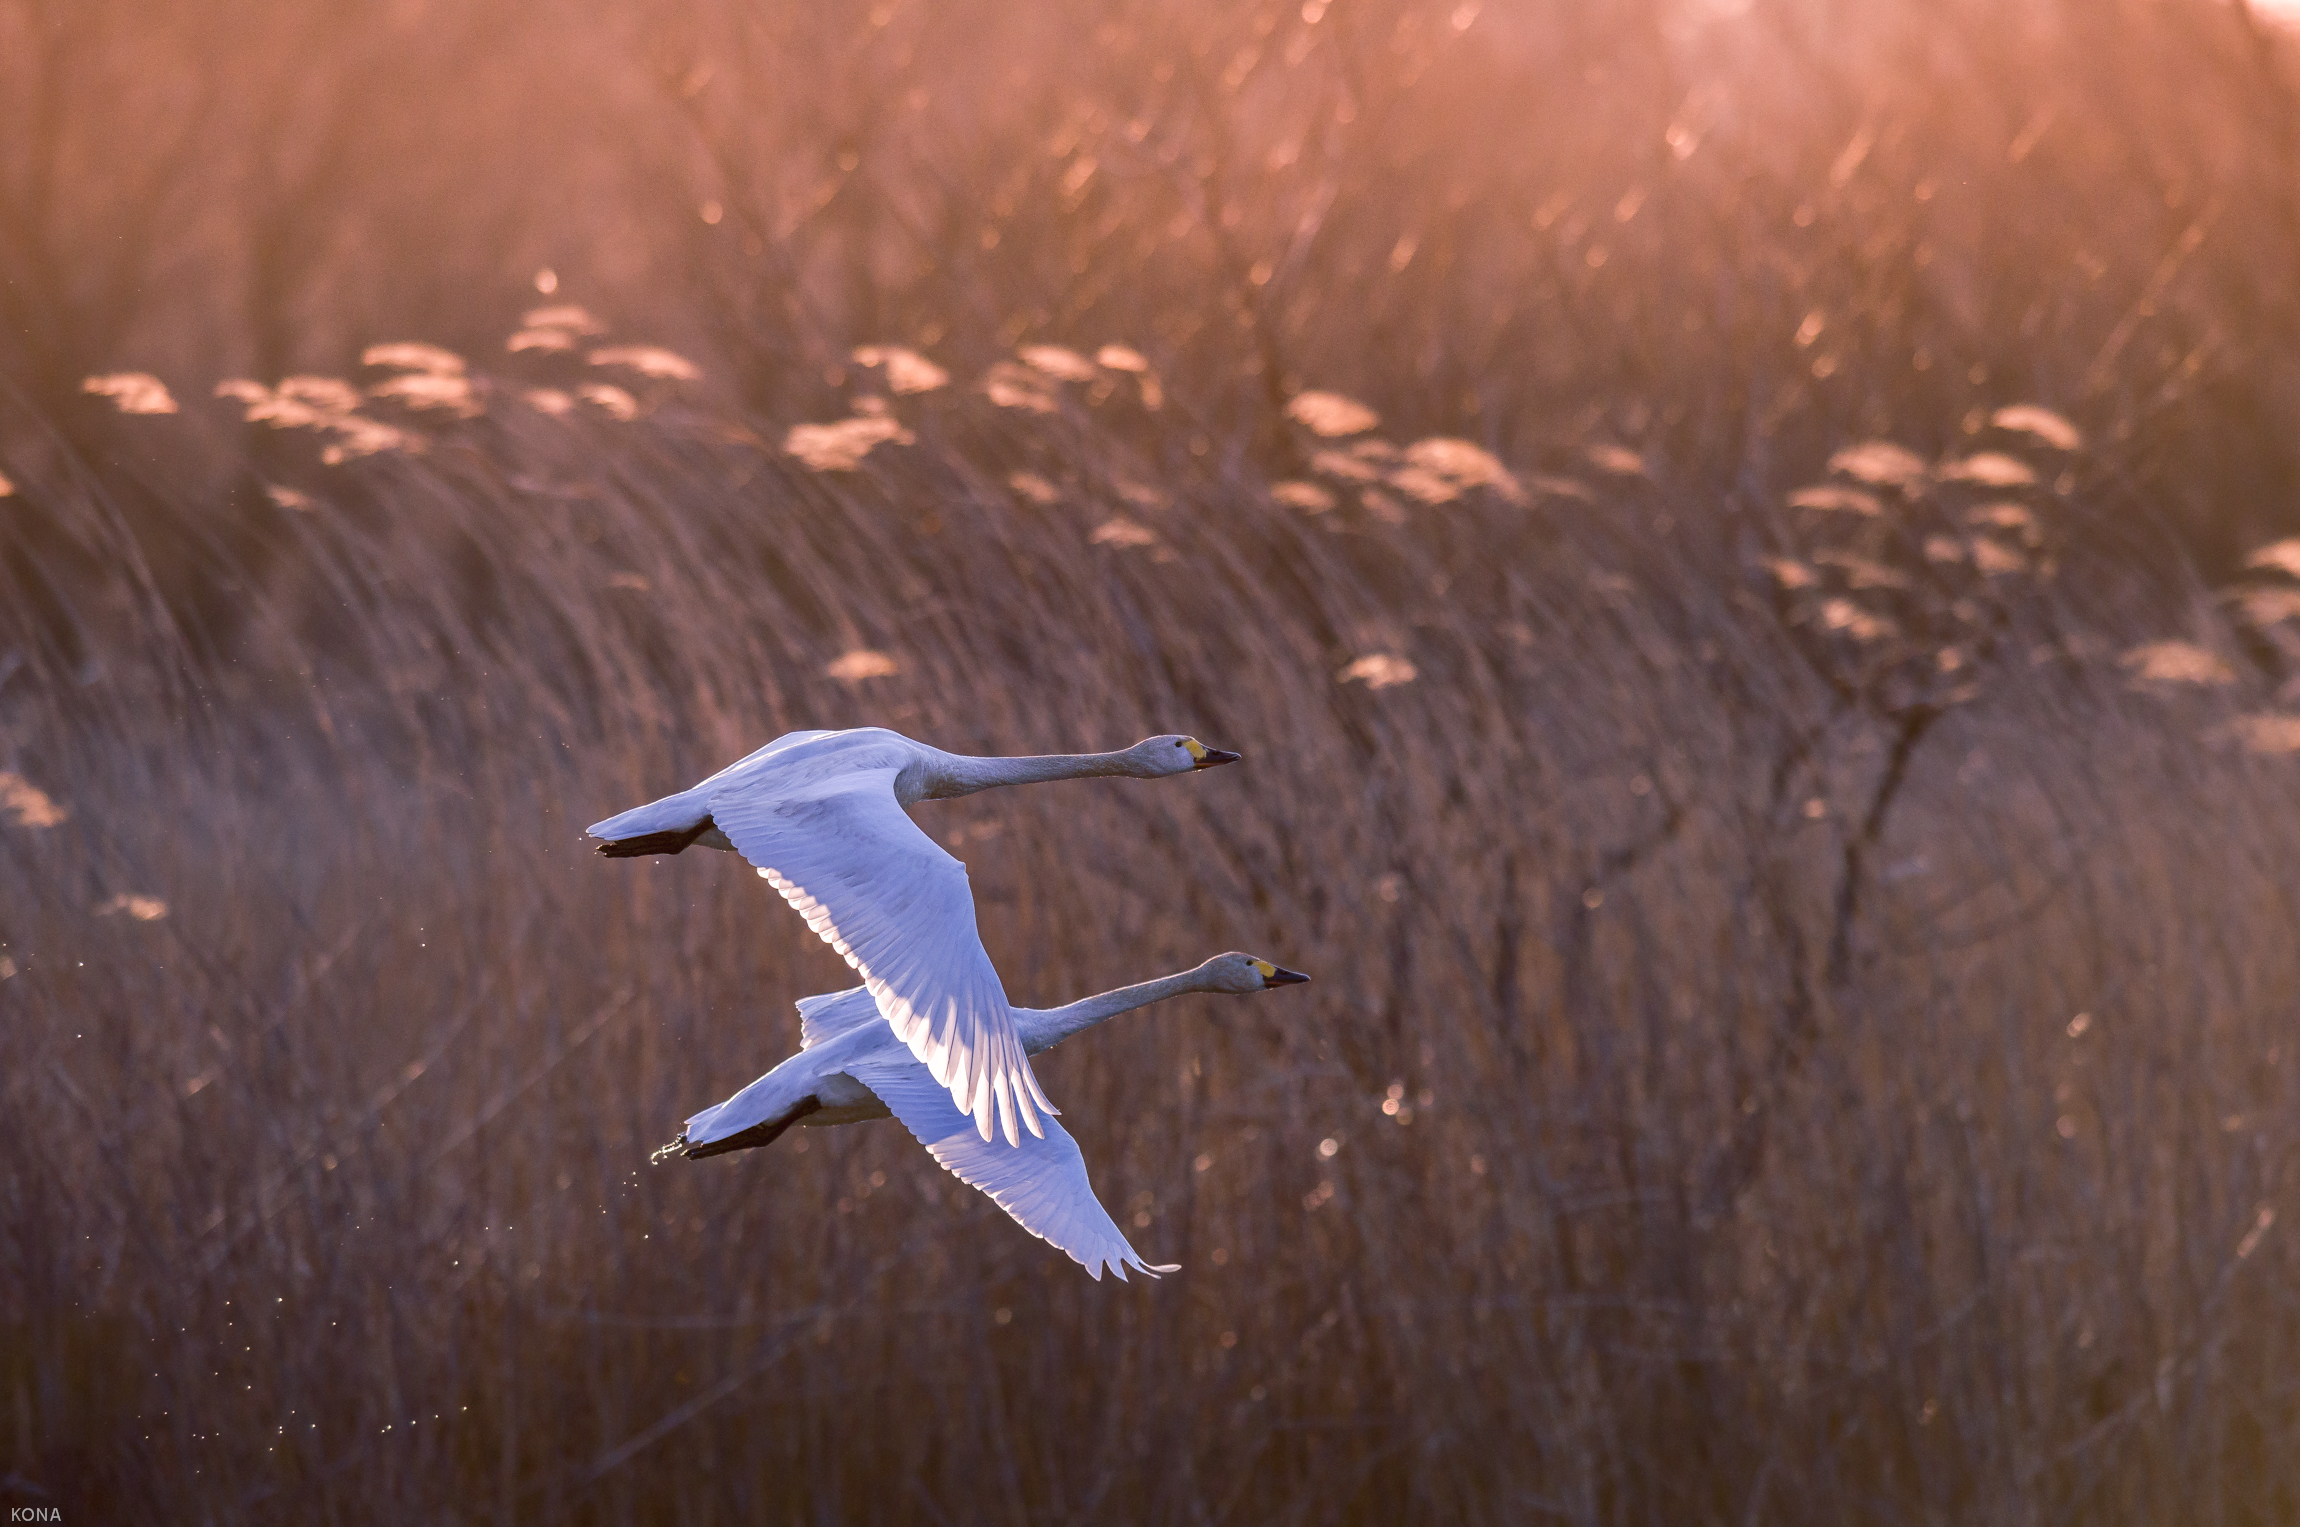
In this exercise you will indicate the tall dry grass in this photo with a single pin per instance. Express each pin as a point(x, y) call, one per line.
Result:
point(1801, 1028)
point(328, 1194)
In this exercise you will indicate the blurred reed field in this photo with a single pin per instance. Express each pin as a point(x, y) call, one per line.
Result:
point(1740, 545)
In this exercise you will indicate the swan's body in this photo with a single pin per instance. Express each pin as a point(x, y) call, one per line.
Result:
point(851, 1067)
point(820, 814)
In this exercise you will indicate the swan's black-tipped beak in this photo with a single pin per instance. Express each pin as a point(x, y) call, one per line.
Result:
point(1284, 977)
point(1215, 757)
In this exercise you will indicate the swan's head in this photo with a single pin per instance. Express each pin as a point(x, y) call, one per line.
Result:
point(1241, 973)
point(1157, 757)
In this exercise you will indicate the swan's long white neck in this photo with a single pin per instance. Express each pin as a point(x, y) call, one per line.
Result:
point(952, 774)
point(1044, 1029)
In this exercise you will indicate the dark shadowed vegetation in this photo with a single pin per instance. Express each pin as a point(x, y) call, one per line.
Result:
point(1740, 547)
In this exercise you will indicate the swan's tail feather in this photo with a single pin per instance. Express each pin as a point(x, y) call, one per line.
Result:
point(765, 1133)
point(654, 842)
point(657, 827)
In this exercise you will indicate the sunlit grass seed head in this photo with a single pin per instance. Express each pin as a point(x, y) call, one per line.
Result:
point(1123, 533)
point(2173, 664)
point(649, 361)
point(1847, 618)
point(2266, 607)
point(907, 371)
point(2271, 733)
point(260, 405)
point(861, 664)
point(1457, 465)
point(610, 400)
point(357, 436)
point(547, 341)
point(22, 804)
point(1019, 387)
point(1308, 497)
point(1346, 467)
point(1989, 469)
point(1379, 670)
point(2013, 519)
point(1121, 358)
point(328, 404)
point(1791, 574)
point(142, 909)
point(2277, 557)
point(1834, 498)
point(550, 401)
point(2040, 424)
point(563, 315)
point(1035, 488)
point(1426, 486)
point(1331, 415)
point(1880, 464)
point(1994, 559)
point(325, 395)
point(432, 391)
point(409, 355)
point(132, 392)
point(1619, 460)
point(1064, 365)
point(841, 447)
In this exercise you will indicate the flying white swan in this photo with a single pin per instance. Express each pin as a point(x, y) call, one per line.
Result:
point(850, 1068)
point(821, 816)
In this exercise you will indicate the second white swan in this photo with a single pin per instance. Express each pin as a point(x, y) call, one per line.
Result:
point(849, 1068)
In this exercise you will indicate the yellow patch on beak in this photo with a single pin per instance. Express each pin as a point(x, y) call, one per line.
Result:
point(1266, 968)
point(1197, 749)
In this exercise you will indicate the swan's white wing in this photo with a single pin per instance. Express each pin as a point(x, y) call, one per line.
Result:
point(1042, 1183)
point(829, 1016)
point(787, 740)
point(883, 894)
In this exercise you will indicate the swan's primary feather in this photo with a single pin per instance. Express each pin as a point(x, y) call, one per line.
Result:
point(840, 849)
point(1041, 1183)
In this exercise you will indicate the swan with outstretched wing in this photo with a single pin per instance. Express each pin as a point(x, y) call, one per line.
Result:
point(851, 1068)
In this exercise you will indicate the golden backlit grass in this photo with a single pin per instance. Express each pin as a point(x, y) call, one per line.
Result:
point(1586, 1180)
